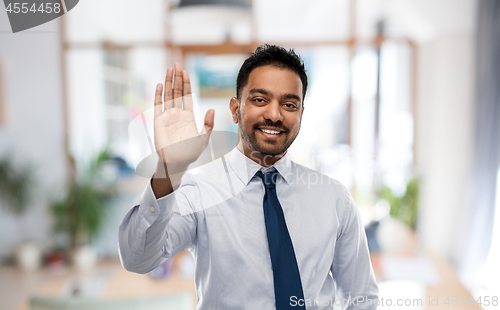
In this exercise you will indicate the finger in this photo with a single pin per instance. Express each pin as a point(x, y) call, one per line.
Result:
point(187, 97)
point(158, 102)
point(168, 96)
point(209, 123)
point(178, 86)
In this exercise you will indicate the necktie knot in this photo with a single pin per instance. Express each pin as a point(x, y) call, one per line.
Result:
point(268, 178)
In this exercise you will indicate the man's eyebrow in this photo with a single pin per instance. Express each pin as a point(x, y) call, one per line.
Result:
point(260, 91)
point(291, 96)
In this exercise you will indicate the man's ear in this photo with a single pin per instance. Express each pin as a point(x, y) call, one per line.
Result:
point(234, 107)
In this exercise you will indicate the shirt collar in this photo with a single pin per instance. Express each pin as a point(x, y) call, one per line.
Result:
point(245, 168)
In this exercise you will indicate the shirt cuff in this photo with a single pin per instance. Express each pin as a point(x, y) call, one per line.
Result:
point(163, 207)
point(149, 205)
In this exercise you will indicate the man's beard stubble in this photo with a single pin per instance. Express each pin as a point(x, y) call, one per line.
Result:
point(251, 140)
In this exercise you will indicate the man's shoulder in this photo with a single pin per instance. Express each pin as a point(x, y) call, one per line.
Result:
point(211, 173)
point(207, 186)
point(321, 186)
point(303, 175)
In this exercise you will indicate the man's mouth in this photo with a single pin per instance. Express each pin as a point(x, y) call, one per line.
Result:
point(270, 131)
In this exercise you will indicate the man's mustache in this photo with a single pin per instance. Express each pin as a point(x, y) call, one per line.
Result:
point(278, 125)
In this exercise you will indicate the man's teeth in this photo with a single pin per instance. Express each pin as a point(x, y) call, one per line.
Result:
point(270, 131)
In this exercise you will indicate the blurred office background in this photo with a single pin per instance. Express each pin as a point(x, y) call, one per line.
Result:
point(403, 108)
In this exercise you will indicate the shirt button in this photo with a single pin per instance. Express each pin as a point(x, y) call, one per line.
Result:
point(153, 209)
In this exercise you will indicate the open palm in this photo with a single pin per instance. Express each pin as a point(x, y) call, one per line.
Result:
point(177, 139)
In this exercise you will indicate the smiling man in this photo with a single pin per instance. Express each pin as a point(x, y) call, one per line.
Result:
point(271, 100)
point(265, 232)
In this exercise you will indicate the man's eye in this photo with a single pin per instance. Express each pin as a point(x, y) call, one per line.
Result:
point(259, 100)
point(290, 105)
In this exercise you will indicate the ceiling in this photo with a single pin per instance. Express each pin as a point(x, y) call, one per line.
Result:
point(127, 21)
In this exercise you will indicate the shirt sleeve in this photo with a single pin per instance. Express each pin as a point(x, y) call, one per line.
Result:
point(351, 268)
point(154, 230)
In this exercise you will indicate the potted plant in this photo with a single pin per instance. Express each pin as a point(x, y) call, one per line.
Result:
point(80, 214)
point(404, 207)
point(16, 192)
point(395, 234)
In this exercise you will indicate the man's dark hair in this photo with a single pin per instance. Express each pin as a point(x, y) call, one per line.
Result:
point(275, 56)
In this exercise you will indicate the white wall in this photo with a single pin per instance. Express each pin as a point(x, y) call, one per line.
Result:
point(86, 104)
point(445, 126)
point(34, 131)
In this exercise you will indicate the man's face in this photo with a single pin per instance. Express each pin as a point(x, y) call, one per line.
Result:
point(269, 113)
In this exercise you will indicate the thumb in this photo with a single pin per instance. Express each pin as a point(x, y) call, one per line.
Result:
point(209, 123)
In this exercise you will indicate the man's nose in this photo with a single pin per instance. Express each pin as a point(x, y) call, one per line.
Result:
point(273, 112)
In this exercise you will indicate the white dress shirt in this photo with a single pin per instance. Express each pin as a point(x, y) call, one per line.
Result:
point(218, 216)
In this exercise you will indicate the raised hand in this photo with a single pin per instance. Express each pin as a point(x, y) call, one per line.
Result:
point(176, 137)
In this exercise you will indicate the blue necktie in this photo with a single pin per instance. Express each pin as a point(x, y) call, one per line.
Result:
point(285, 269)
